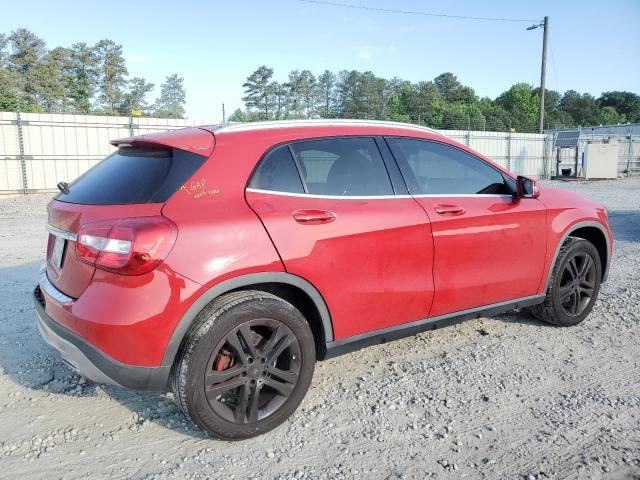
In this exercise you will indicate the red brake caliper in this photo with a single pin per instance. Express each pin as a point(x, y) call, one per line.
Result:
point(223, 361)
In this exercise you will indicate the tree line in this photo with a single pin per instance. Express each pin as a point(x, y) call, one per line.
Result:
point(443, 102)
point(82, 78)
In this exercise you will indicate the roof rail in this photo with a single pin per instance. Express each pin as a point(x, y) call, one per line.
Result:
point(237, 127)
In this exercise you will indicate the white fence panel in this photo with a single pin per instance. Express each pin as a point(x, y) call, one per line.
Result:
point(10, 168)
point(520, 153)
point(61, 147)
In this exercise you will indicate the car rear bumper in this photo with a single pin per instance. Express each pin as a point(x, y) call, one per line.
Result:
point(92, 363)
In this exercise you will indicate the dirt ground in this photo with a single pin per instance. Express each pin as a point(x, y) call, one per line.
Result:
point(503, 397)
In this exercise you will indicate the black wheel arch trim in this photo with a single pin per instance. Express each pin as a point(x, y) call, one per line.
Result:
point(567, 233)
point(235, 283)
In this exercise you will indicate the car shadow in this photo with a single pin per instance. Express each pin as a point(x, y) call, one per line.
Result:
point(625, 225)
point(520, 316)
point(30, 363)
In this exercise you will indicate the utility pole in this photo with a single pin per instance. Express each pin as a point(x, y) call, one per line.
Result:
point(543, 69)
point(224, 117)
point(543, 73)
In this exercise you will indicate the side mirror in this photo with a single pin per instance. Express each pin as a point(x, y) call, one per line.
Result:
point(527, 187)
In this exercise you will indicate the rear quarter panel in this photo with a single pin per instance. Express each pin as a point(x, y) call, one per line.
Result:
point(219, 236)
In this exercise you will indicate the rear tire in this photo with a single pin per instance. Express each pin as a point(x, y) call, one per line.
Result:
point(245, 366)
point(574, 285)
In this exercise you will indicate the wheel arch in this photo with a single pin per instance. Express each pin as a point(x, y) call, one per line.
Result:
point(593, 232)
point(296, 290)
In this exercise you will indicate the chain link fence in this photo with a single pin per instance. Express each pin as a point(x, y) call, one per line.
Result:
point(39, 150)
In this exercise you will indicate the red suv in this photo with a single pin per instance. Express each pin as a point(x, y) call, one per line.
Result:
point(221, 262)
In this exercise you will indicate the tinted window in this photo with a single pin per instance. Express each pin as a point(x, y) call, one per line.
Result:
point(343, 166)
point(277, 172)
point(434, 168)
point(134, 175)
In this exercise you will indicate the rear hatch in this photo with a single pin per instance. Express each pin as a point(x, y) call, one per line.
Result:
point(134, 181)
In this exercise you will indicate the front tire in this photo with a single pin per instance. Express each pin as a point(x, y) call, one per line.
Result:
point(245, 366)
point(574, 285)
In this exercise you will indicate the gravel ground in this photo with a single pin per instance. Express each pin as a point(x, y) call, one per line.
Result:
point(503, 397)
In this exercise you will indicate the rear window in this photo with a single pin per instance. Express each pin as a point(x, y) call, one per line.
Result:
point(134, 175)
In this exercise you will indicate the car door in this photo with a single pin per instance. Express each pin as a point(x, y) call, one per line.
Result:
point(330, 208)
point(489, 247)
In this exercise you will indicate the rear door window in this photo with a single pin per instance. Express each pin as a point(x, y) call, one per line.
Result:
point(342, 167)
point(134, 175)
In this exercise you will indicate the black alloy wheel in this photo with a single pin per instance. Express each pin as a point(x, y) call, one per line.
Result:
point(577, 284)
point(245, 365)
point(252, 371)
point(573, 285)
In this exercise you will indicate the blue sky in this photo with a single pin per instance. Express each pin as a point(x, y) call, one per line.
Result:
point(214, 45)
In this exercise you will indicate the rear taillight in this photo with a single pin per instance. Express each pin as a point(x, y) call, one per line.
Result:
point(131, 246)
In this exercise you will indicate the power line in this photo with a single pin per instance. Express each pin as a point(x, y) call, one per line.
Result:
point(412, 12)
point(555, 72)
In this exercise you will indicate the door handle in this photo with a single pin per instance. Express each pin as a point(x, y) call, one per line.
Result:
point(313, 217)
point(449, 209)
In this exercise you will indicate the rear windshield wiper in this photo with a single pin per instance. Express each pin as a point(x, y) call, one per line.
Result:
point(63, 187)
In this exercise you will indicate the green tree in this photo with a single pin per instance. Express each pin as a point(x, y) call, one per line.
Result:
point(244, 116)
point(522, 104)
point(372, 96)
point(81, 76)
point(326, 85)
point(441, 103)
point(112, 74)
point(280, 94)
point(173, 98)
point(135, 97)
point(309, 92)
point(452, 91)
point(477, 120)
point(295, 102)
point(27, 50)
point(347, 93)
point(303, 93)
point(581, 107)
point(258, 92)
point(360, 95)
point(554, 116)
point(610, 116)
point(49, 80)
point(625, 103)
point(496, 117)
point(400, 100)
point(25, 57)
point(8, 79)
point(4, 50)
point(429, 106)
point(8, 90)
point(455, 117)
point(448, 86)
